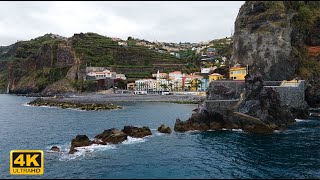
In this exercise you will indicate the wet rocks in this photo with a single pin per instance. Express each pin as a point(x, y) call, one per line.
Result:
point(164, 129)
point(136, 131)
point(112, 135)
point(73, 105)
point(79, 141)
point(55, 148)
point(259, 110)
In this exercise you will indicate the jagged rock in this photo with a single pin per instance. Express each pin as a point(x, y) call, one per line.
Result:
point(259, 111)
point(268, 38)
point(79, 141)
point(263, 103)
point(137, 132)
point(223, 91)
point(113, 136)
point(164, 129)
point(55, 148)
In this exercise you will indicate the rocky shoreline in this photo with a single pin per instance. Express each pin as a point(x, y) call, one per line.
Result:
point(258, 110)
point(113, 98)
point(73, 105)
point(109, 136)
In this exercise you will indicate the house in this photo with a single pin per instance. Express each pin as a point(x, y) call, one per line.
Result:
point(237, 72)
point(175, 75)
point(160, 75)
point(116, 39)
point(99, 74)
point(191, 82)
point(141, 43)
point(121, 76)
point(146, 85)
point(122, 43)
point(130, 86)
point(207, 70)
point(215, 76)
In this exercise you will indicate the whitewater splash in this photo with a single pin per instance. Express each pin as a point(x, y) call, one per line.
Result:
point(237, 130)
point(26, 104)
point(90, 150)
point(301, 120)
point(132, 140)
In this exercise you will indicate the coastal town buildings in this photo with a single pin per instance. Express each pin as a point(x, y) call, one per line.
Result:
point(215, 76)
point(104, 77)
point(237, 72)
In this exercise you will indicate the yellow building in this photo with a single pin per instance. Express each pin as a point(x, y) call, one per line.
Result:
point(238, 73)
point(215, 76)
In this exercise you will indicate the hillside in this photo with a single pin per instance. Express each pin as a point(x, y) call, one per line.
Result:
point(280, 40)
point(52, 63)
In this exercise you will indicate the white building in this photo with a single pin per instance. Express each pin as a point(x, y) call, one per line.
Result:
point(121, 76)
point(175, 75)
point(100, 74)
point(205, 70)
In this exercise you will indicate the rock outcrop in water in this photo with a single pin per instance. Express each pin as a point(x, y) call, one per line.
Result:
point(113, 136)
point(164, 129)
point(259, 111)
point(137, 132)
point(79, 141)
point(55, 149)
point(109, 136)
point(73, 105)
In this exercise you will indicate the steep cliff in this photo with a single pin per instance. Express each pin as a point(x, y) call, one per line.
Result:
point(53, 64)
point(280, 40)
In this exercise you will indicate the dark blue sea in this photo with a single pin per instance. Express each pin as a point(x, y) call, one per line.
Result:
point(293, 153)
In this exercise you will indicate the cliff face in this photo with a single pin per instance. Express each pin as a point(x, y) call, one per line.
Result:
point(280, 40)
point(33, 65)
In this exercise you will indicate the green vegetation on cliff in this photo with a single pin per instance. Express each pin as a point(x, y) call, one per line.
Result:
point(32, 65)
point(98, 50)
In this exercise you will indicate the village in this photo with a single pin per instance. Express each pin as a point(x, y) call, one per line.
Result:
point(175, 82)
point(212, 67)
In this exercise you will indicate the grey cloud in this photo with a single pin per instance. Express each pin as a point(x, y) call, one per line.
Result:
point(163, 21)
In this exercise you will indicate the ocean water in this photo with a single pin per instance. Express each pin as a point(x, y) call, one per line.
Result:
point(294, 153)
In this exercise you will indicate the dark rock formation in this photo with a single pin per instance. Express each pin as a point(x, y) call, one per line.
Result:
point(259, 111)
point(73, 105)
point(280, 40)
point(264, 104)
point(136, 131)
point(113, 136)
point(55, 148)
point(201, 120)
point(79, 141)
point(164, 129)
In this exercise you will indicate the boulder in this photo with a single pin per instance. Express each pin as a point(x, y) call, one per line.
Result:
point(136, 131)
point(80, 141)
point(55, 148)
point(112, 135)
point(164, 129)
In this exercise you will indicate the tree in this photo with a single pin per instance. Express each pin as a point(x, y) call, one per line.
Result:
point(164, 86)
point(170, 85)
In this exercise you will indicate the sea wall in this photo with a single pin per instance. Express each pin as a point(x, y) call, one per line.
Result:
point(221, 95)
point(291, 96)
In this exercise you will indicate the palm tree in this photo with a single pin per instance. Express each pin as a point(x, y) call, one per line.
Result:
point(170, 85)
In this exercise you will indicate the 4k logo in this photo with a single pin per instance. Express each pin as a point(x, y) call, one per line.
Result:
point(26, 162)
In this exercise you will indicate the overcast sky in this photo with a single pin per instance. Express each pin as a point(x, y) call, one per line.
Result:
point(161, 21)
